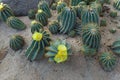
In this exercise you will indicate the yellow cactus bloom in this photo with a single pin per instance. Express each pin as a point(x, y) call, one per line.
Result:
point(34, 22)
point(62, 48)
point(37, 36)
point(1, 6)
point(61, 56)
point(59, 2)
point(40, 11)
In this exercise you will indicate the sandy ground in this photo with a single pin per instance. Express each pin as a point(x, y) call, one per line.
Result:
point(15, 66)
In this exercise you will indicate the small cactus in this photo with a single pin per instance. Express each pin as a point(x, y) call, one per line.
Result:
point(113, 14)
point(103, 22)
point(107, 61)
point(112, 30)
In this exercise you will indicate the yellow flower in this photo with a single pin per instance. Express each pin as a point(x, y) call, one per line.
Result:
point(37, 36)
point(34, 22)
point(62, 48)
point(1, 6)
point(40, 11)
point(59, 2)
point(62, 55)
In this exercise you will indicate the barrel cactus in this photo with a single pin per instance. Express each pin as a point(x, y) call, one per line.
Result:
point(54, 27)
point(43, 5)
point(31, 14)
point(74, 2)
point(107, 61)
point(89, 15)
point(88, 51)
point(53, 6)
point(5, 12)
point(36, 26)
point(113, 14)
point(36, 50)
point(67, 20)
point(91, 36)
point(16, 23)
point(16, 42)
point(42, 17)
point(116, 47)
point(116, 4)
point(60, 6)
point(103, 22)
point(97, 6)
point(58, 51)
point(79, 8)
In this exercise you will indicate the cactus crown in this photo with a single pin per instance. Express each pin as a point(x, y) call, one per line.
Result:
point(1, 6)
point(40, 11)
point(34, 22)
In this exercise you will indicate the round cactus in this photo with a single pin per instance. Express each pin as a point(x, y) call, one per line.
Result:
point(5, 12)
point(60, 6)
point(31, 14)
point(53, 6)
point(16, 23)
point(103, 22)
point(116, 4)
point(36, 50)
point(79, 8)
point(97, 6)
point(67, 20)
point(58, 51)
point(16, 42)
point(45, 7)
point(42, 17)
point(88, 51)
point(74, 2)
point(107, 61)
point(54, 27)
point(72, 33)
point(116, 47)
point(91, 36)
point(113, 14)
point(36, 26)
point(89, 15)
point(112, 30)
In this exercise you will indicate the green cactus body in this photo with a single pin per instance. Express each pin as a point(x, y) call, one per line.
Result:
point(16, 23)
point(113, 14)
point(116, 4)
point(78, 27)
point(79, 8)
point(72, 33)
point(37, 48)
point(116, 47)
point(44, 6)
point(74, 2)
point(31, 14)
point(103, 22)
point(88, 51)
point(91, 36)
point(53, 6)
point(89, 15)
point(112, 30)
point(5, 12)
point(107, 61)
point(42, 17)
point(16, 42)
point(97, 6)
point(60, 6)
point(53, 50)
point(54, 27)
point(36, 26)
point(67, 20)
